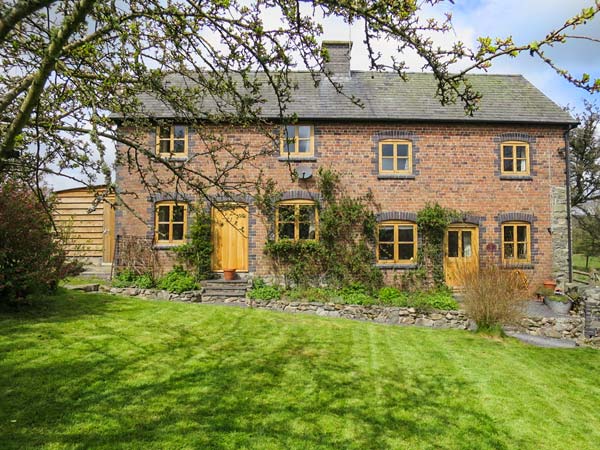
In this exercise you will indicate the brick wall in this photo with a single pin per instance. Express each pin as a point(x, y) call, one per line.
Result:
point(456, 165)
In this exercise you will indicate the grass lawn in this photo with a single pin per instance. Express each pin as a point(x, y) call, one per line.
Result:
point(579, 262)
point(96, 371)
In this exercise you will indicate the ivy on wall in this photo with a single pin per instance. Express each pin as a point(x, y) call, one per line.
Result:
point(196, 253)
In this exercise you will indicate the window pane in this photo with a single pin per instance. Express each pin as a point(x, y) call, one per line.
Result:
point(509, 251)
point(386, 234)
point(165, 147)
point(286, 213)
point(386, 252)
point(402, 164)
point(304, 146)
point(291, 132)
point(286, 231)
point(387, 149)
point(507, 151)
point(177, 213)
point(179, 146)
point(520, 151)
point(509, 234)
point(521, 233)
point(303, 131)
point(521, 165)
point(405, 251)
point(177, 231)
point(508, 165)
point(165, 132)
point(453, 244)
point(467, 251)
point(290, 147)
point(163, 231)
point(405, 234)
point(304, 231)
point(402, 150)
point(522, 251)
point(306, 213)
point(163, 213)
point(387, 164)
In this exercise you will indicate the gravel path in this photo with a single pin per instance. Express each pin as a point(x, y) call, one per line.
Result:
point(540, 341)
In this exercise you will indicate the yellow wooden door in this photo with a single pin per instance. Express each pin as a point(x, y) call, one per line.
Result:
point(461, 253)
point(230, 238)
point(108, 244)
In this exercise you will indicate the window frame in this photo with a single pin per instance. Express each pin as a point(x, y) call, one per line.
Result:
point(171, 205)
point(515, 242)
point(297, 203)
point(396, 224)
point(296, 153)
point(171, 139)
point(515, 173)
point(395, 171)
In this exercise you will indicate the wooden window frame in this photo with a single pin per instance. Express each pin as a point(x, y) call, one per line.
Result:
point(514, 145)
point(515, 260)
point(170, 241)
point(297, 204)
point(396, 242)
point(395, 170)
point(296, 138)
point(171, 139)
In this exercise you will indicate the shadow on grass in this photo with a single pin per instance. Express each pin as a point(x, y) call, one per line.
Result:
point(228, 387)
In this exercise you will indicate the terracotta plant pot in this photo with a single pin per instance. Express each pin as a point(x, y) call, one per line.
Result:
point(550, 284)
point(228, 274)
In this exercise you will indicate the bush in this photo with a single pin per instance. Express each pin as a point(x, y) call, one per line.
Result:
point(197, 252)
point(436, 299)
point(32, 259)
point(493, 296)
point(128, 278)
point(392, 296)
point(311, 294)
point(178, 280)
point(264, 293)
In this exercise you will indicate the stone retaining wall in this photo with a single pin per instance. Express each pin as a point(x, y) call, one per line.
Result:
point(553, 327)
point(591, 297)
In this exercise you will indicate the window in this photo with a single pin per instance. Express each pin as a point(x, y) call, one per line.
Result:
point(172, 140)
point(395, 157)
point(297, 219)
point(515, 158)
point(516, 243)
point(297, 141)
point(396, 243)
point(170, 223)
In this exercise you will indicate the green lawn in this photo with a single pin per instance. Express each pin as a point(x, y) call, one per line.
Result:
point(95, 371)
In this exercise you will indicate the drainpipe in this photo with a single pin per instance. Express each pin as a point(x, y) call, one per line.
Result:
point(568, 174)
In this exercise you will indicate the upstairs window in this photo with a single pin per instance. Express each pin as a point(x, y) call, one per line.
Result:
point(516, 243)
point(297, 141)
point(297, 220)
point(395, 157)
point(170, 223)
point(396, 243)
point(171, 141)
point(515, 158)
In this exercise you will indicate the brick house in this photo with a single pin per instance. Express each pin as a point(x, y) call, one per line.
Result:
point(505, 167)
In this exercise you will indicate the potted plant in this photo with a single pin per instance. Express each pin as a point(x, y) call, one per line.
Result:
point(228, 274)
point(560, 304)
point(543, 292)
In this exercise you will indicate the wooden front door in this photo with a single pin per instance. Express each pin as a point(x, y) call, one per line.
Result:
point(230, 238)
point(461, 252)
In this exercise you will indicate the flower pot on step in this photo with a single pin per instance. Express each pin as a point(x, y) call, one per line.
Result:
point(560, 306)
point(228, 274)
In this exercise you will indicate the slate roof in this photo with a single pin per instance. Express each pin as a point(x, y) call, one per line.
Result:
point(506, 98)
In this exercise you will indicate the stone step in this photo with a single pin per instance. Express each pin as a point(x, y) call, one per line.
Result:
point(224, 287)
point(226, 282)
point(223, 294)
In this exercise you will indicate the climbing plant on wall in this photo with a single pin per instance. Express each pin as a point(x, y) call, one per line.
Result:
point(196, 253)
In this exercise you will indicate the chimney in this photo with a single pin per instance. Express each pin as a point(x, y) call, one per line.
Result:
point(338, 65)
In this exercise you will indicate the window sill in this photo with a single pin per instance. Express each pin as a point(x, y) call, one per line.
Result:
point(396, 266)
point(167, 246)
point(297, 159)
point(518, 266)
point(168, 157)
point(517, 177)
point(391, 176)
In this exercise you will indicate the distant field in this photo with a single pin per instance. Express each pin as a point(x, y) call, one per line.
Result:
point(579, 262)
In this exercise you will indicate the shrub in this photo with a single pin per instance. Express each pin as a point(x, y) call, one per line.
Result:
point(435, 299)
point(311, 294)
point(178, 280)
point(264, 293)
point(32, 259)
point(492, 296)
point(197, 252)
point(128, 278)
point(392, 296)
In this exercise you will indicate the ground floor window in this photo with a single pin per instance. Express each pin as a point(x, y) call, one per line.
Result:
point(297, 220)
point(516, 243)
point(170, 222)
point(396, 243)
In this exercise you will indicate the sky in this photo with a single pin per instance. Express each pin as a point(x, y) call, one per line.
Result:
point(524, 20)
